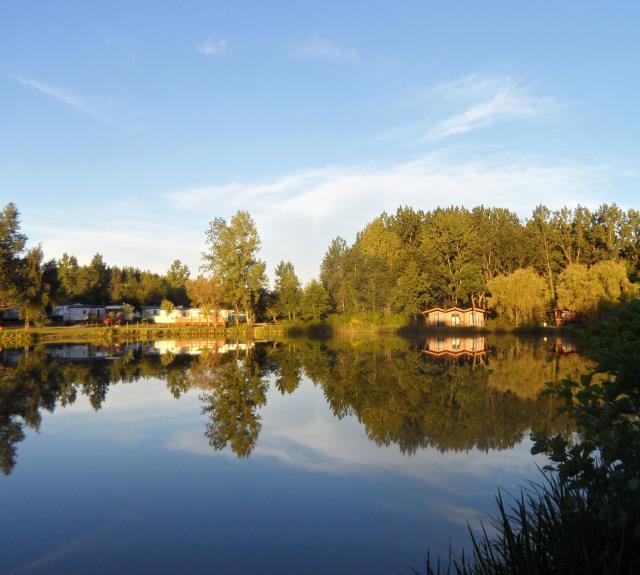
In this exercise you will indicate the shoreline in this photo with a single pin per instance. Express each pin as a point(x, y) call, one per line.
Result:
point(18, 336)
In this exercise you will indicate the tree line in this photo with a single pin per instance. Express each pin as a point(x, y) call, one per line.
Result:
point(398, 264)
point(489, 258)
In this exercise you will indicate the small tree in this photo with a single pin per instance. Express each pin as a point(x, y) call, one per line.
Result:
point(167, 307)
point(206, 294)
point(127, 312)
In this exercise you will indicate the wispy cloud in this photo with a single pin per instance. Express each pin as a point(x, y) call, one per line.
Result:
point(56, 93)
point(315, 46)
point(484, 100)
point(212, 46)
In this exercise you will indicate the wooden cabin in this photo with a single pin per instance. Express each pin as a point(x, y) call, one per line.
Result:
point(563, 316)
point(454, 317)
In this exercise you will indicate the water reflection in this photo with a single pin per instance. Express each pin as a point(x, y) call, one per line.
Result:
point(448, 393)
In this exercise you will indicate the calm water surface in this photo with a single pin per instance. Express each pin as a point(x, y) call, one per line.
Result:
point(346, 456)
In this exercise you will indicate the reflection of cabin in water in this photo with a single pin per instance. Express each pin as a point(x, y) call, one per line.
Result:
point(563, 346)
point(454, 317)
point(563, 316)
point(454, 347)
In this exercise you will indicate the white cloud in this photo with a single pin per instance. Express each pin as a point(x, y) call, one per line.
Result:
point(317, 47)
point(70, 100)
point(484, 100)
point(299, 213)
point(212, 46)
point(123, 242)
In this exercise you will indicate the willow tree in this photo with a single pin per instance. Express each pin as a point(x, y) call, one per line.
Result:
point(521, 296)
point(233, 259)
point(586, 289)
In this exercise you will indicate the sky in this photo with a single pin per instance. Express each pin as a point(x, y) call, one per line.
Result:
point(125, 127)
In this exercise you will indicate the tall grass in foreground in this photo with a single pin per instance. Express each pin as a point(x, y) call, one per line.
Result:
point(549, 529)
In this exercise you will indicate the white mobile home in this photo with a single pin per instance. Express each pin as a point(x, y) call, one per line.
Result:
point(195, 316)
point(78, 312)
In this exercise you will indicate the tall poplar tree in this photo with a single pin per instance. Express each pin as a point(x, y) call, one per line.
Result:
point(233, 258)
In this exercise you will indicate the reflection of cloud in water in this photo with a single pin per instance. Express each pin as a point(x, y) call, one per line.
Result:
point(300, 431)
point(465, 516)
point(147, 398)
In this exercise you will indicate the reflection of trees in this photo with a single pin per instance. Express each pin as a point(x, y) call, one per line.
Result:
point(37, 381)
point(404, 398)
point(398, 394)
point(287, 367)
point(236, 388)
point(523, 367)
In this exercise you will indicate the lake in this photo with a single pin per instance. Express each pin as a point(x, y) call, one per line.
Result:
point(299, 456)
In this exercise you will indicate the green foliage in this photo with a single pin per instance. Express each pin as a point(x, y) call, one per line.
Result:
point(12, 245)
point(177, 277)
point(522, 296)
point(232, 258)
point(34, 293)
point(587, 289)
point(333, 273)
point(315, 301)
point(167, 306)
point(206, 294)
point(288, 292)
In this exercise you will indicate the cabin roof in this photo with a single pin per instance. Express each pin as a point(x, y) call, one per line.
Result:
point(450, 309)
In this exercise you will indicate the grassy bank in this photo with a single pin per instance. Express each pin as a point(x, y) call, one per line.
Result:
point(19, 336)
point(394, 324)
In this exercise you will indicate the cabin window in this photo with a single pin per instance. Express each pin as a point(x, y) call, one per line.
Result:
point(439, 319)
point(455, 319)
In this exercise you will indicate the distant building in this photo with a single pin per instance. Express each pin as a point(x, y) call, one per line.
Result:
point(563, 316)
point(78, 312)
point(149, 312)
point(195, 316)
point(454, 317)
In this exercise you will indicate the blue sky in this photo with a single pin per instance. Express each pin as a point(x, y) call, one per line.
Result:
point(126, 127)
